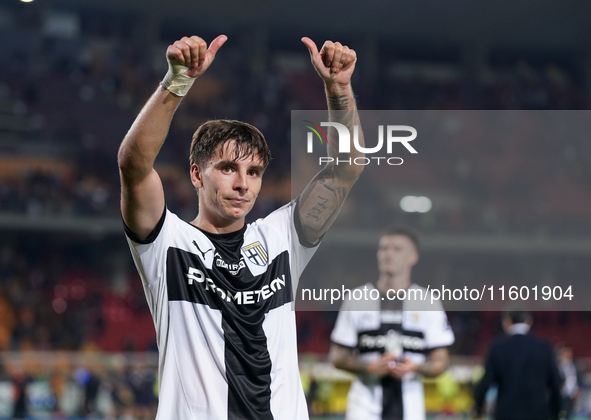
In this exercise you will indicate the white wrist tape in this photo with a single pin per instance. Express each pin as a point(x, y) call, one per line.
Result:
point(176, 81)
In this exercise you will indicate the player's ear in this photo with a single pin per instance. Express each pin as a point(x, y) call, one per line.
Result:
point(196, 176)
point(506, 322)
point(415, 257)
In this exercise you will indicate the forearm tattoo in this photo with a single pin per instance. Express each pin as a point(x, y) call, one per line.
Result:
point(344, 113)
point(338, 102)
point(319, 207)
point(344, 358)
point(435, 365)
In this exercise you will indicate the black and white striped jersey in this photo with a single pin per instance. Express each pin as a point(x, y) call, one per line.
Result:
point(403, 331)
point(225, 328)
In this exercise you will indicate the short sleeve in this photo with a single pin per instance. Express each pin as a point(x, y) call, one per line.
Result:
point(152, 236)
point(149, 255)
point(439, 332)
point(345, 331)
point(283, 222)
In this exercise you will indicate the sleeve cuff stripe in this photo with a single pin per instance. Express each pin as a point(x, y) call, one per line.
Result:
point(151, 237)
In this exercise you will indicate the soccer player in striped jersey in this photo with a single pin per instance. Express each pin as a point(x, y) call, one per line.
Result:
point(389, 344)
point(220, 291)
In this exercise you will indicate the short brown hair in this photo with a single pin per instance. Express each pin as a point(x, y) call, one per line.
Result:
point(249, 141)
point(404, 230)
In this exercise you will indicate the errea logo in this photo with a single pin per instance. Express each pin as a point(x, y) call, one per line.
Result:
point(392, 136)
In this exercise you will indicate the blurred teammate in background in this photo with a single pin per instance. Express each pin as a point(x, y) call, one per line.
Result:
point(570, 375)
point(220, 291)
point(524, 370)
point(388, 344)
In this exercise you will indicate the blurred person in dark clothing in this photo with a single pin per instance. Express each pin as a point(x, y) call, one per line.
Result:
point(90, 383)
point(141, 382)
point(524, 370)
point(20, 382)
point(118, 386)
point(571, 390)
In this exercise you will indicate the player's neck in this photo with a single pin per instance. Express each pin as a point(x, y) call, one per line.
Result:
point(217, 225)
point(395, 281)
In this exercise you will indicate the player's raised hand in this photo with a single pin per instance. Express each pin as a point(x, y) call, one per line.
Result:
point(192, 53)
point(334, 63)
point(188, 58)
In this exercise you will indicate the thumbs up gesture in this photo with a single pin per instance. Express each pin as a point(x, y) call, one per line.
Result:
point(334, 63)
point(192, 53)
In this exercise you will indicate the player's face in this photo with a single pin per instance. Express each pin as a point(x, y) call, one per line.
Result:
point(396, 254)
point(227, 188)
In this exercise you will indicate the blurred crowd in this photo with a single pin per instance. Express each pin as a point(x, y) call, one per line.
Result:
point(71, 296)
point(66, 103)
point(78, 385)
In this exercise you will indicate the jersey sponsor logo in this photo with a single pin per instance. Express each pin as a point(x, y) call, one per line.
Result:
point(190, 281)
point(256, 253)
point(233, 269)
point(248, 297)
point(392, 341)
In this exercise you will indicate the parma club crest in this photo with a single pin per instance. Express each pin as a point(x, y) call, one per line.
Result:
point(256, 253)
